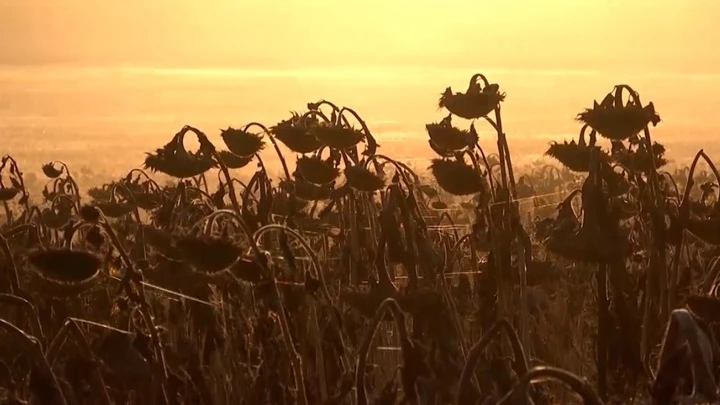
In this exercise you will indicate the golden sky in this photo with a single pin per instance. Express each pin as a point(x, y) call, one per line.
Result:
point(664, 35)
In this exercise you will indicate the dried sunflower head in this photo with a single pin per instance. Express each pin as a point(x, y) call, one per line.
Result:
point(294, 134)
point(209, 255)
point(575, 156)
point(100, 193)
point(448, 138)
point(8, 193)
point(233, 161)
point(361, 179)
point(50, 171)
point(114, 209)
point(316, 171)
point(475, 103)
point(617, 121)
point(160, 241)
point(337, 136)
point(242, 143)
point(458, 178)
point(147, 200)
point(66, 267)
point(175, 161)
point(440, 151)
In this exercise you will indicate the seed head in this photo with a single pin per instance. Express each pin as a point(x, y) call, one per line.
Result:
point(472, 104)
point(115, 209)
point(616, 121)
point(361, 179)
point(294, 134)
point(8, 193)
point(458, 178)
point(65, 266)
point(242, 143)
point(209, 255)
point(233, 161)
point(50, 171)
point(448, 138)
point(160, 241)
point(177, 162)
point(147, 201)
point(572, 155)
point(316, 170)
point(337, 136)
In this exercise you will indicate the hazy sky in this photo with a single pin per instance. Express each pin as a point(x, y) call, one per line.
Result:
point(662, 35)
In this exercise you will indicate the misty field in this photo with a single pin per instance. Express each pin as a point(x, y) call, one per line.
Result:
point(302, 263)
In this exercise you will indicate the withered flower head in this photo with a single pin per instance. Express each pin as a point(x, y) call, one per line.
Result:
point(316, 171)
point(103, 193)
point(114, 209)
point(242, 143)
point(161, 241)
point(294, 134)
point(458, 178)
point(617, 121)
point(575, 156)
point(66, 267)
point(448, 138)
point(233, 161)
point(209, 254)
point(50, 171)
point(361, 179)
point(337, 136)
point(473, 103)
point(175, 161)
point(8, 193)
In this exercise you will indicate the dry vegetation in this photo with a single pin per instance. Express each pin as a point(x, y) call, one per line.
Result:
point(351, 281)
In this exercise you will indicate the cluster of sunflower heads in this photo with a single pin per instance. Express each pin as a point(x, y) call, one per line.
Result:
point(446, 139)
point(175, 161)
point(636, 157)
point(458, 178)
point(315, 179)
point(294, 133)
point(619, 121)
point(476, 102)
